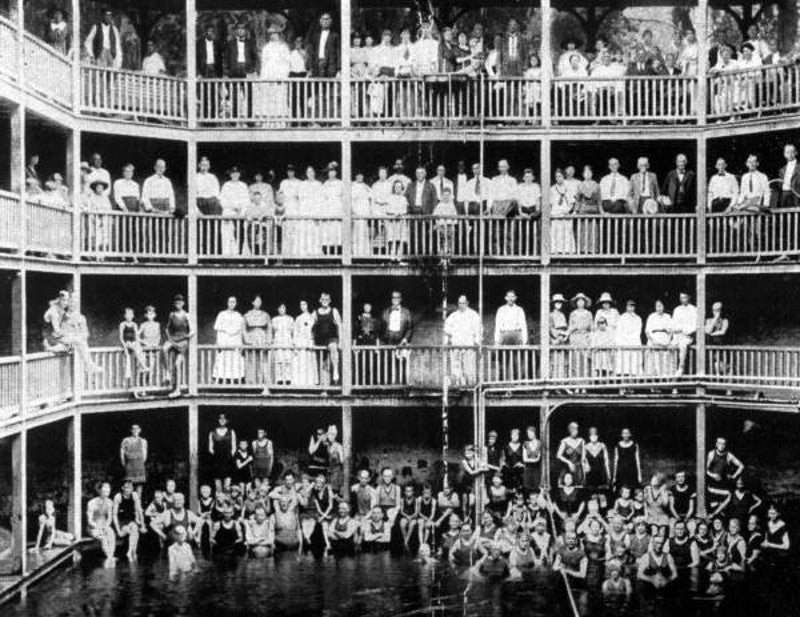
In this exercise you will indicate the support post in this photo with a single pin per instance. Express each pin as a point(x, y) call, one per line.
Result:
point(23, 335)
point(76, 489)
point(702, 184)
point(77, 365)
point(193, 305)
point(347, 334)
point(546, 54)
point(700, 455)
point(347, 446)
point(16, 157)
point(703, 34)
point(545, 169)
point(700, 340)
point(191, 198)
point(545, 449)
point(191, 66)
point(74, 179)
point(75, 17)
point(345, 27)
point(194, 455)
point(544, 325)
point(347, 210)
point(19, 497)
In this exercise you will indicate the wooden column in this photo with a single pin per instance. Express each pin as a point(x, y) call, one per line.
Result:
point(347, 445)
point(75, 522)
point(347, 334)
point(16, 158)
point(347, 211)
point(545, 173)
point(545, 451)
point(344, 15)
point(23, 335)
point(702, 184)
point(77, 40)
point(73, 179)
point(700, 456)
point(191, 198)
point(19, 499)
point(193, 305)
point(17, 316)
point(77, 366)
point(193, 424)
point(546, 56)
point(703, 33)
point(700, 341)
point(191, 65)
point(544, 325)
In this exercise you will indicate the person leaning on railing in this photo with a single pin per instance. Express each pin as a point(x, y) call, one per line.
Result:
point(127, 195)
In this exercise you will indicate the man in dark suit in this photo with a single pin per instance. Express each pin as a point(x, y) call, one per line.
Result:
point(680, 188)
point(397, 329)
point(322, 52)
point(789, 176)
point(209, 55)
point(241, 59)
point(421, 197)
point(513, 51)
point(639, 100)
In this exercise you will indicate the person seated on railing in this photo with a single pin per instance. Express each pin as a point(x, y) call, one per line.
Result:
point(57, 32)
point(658, 330)
point(644, 186)
point(127, 195)
point(75, 335)
point(131, 345)
point(567, 64)
point(789, 175)
point(679, 191)
point(153, 62)
point(157, 192)
point(52, 333)
point(722, 188)
point(209, 54)
point(684, 322)
point(614, 190)
point(104, 43)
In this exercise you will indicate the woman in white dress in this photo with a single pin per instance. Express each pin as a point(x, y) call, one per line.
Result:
point(381, 191)
point(229, 363)
point(305, 364)
point(629, 335)
point(397, 229)
point(333, 210)
point(562, 203)
point(282, 339)
point(234, 197)
point(310, 199)
point(289, 198)
point(271, 97)
point(658, 330)
point(361, 206)
point(687, 59)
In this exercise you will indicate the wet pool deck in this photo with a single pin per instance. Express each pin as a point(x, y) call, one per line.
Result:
point(40, 565)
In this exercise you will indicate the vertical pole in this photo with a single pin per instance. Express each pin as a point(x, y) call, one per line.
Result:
point(347, 335)
point(347, 225)
point(73, 174)
point(700, 455)
point(546, 53)
point(702, 183)
point(77, 366)
point(193, 303)
point(545, 451)
point(16, 157)
point(19, 497)
point(544, 325)
point(545, 437)
point(191, 65)
point(191, 198)
point(23, 333)
point(346, 25)
point(76, 520)
point(194, 455)
point(545, 169)
point(19, 13)
point(700, 341)
point(75, 26)
point(703, 34)
point(347, 446)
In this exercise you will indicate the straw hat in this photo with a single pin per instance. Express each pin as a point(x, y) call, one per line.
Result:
point(558, 298)
point(580, 295)
point(650, 206)
point(605, 297)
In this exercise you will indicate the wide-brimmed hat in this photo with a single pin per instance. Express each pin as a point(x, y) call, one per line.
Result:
point(650, 206)
point(85, 165)
point(234, 170)
point(580, 295)
point(605, 297)
point(102, 183)
point(571, 39)
point(630, 302)
point(558, 298)
point(749, 46)
point(178, 298)
point(332, 166)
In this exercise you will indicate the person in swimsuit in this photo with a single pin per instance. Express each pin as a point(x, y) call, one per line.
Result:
point(226, 537)
point(48, 535)
point(263, 457)
point(627, 467)
point(343, 531)
point(322, 497)
point(426, 515)
point(242, 465)
point(165, 525)
point(319, 453)
point(133, 456)
point(387, 496)
point(134, 354)
point(623, 506)
point(221, 448)
point(326, 330)
point(598, 473)
point(464, 549)
point(288, 534)
point(175, 349)
point(204, 514)
point(362, 495)
point(532, 459)
point(741, 503)
point(408, 514)
point(99, 515)
point(376, 532)
point(180, 554)
point(570, 558)
point(571, 454)
point(335, 469)
point(682, 499)
point(260, 533)
point(722, 468)
point(513, 465)
point(492, 565)
point(656, 566)
point(128, 517)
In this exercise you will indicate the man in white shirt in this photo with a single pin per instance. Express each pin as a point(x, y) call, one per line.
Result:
point(722, 188)
point(529, 195)
point(644, 186)
point(614, 190)
point(126, 191)
point(477, 191)
point(441, 182)
point(790, 175)
point(462, 328)
point(684, 322)
point(510, 326)
point(104, 44)
point(209, 55)
point(157, 192)
point(753, 189)
point(153, 63)
point(502, 205)
point(207, 189)
point(97, 172)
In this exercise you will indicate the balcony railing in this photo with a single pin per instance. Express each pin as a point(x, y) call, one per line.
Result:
point(48, 229)
point(8, 48)
point(50, 379)
point(118, 236)
point(10, 386)
point(625, 99)
point(753, 92)
point(133, 95)
point(47, 71)
point(763, 366)
point(770, 234)
point(275, 368)
point(286, 103)
point(10, 221)
point(119, 373)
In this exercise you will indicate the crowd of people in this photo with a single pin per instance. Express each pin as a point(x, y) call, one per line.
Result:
point(496, 517)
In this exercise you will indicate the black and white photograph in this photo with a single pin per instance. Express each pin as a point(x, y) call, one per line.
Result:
point(394, 308)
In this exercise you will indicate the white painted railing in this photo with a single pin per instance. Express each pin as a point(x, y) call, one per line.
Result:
point(119, 373)
point(49, 379)
point(759, 366)
point(408, 366)
point(619, 366)
point(512, 363)
point(10, 220)
point(127, 235)
point(132, 94)
point(48, 229)
point(10, 387)
point(274, 367)
point(770, 234)
point(236, 238)
point(9, 47)
point(625, 99)
point(512, 101)
point(656, 236)
point(270, 104)
point(748, 92)
point(47, 71)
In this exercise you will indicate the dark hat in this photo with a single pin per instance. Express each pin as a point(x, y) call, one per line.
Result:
point(103, 183)
point(178, 298)
point(291, 167)
point(749, 46)
point(56, 9)
point(571, 39)
point(630, 303)
point(728, 46)
point(333, 165)
point(234, 170)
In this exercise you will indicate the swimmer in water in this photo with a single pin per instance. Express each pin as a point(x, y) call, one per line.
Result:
point(181, 556)
point(260, 533)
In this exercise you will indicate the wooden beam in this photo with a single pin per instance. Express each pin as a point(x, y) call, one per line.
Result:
point(193, 424)
point(347, 446)
point(700, 429)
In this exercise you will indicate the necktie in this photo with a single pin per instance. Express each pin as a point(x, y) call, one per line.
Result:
point(642, 183)
point(478, 188)
point(613, 184)
point(441, 186)
point(750, 182)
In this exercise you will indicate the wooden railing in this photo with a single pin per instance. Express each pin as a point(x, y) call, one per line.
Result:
point(133, 235)
point(274, 368)
point(237, 238)
point(616, 366)
point(269, 103)
point(656, 236)
point(409, 366)
point(512, 100)
point(512, 363)
point(48, 229)
point(750, 92)
point(758, 366)
point(10, 386)
point(625, 99)
point(49, 379)
point(119, 373)
point(770, 234)
point(10, 220)
point(8, 48)
point(132, 94)
point(47, 71)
